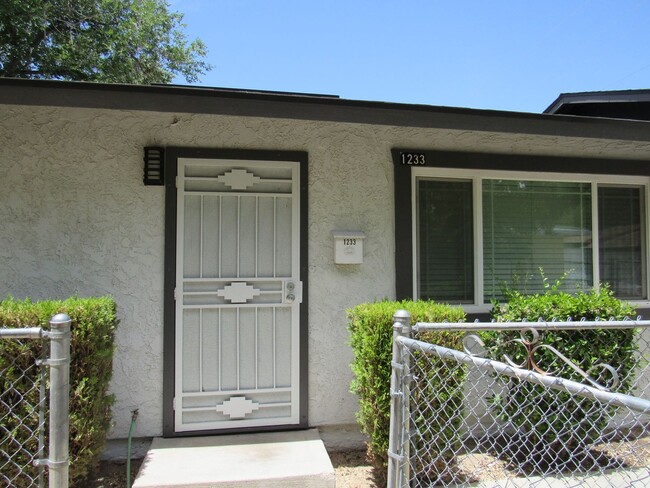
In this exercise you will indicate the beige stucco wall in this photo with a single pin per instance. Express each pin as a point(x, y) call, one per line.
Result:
point(76, 219)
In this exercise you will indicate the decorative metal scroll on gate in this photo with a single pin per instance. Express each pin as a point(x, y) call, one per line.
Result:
point(530, 341)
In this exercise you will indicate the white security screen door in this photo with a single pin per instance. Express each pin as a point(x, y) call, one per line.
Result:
point(238, 294)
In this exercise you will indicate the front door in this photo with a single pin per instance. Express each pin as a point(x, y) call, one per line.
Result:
point(238, 294)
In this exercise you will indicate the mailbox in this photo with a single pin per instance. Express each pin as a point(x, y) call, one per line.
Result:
point(348, 247)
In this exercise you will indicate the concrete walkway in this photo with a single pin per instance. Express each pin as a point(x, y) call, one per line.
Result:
point(278, 459)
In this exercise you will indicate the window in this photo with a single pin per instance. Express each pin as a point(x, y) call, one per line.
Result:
point(446, 242)
point(621, 240)
point(528, 225)
point(478, 232)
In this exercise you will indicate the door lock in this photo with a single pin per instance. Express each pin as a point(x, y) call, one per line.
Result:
point(292, 292)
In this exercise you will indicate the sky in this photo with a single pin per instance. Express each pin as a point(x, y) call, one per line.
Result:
point(486, 54)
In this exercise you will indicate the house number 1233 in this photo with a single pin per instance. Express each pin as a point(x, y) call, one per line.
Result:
point(414, 159)
point(349, 242)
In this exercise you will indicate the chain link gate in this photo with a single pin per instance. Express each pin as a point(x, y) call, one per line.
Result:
point(23, 404)
point(516, 408)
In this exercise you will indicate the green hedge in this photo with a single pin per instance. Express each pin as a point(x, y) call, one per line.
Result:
point(552, 421)
point(371, 332)
point(92, 330)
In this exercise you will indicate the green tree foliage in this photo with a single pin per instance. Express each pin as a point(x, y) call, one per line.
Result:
point(111, 41)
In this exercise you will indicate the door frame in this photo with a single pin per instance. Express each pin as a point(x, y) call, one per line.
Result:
point(172, 154)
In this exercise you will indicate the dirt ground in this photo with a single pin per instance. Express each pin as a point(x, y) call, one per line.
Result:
point(354, 471)
point(351, 467)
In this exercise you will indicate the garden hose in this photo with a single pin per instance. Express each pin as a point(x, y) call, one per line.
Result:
point(134, 415)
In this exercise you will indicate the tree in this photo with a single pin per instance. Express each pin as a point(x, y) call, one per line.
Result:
point(112, 41)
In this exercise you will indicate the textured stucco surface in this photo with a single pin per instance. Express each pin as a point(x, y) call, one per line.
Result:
point(76, 219)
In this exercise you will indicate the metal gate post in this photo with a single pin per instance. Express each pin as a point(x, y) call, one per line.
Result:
point(398, 448)
point(59, 362)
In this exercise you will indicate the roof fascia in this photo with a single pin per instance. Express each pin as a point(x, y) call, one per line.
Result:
point(294, 106)
point(598, 97)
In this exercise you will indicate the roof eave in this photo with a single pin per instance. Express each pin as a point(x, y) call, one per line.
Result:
point(179, 99)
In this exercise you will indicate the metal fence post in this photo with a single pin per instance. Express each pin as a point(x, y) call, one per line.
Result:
point(398, 449)
point(59, 362)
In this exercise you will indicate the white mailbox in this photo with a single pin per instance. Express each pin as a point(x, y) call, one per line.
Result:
point(348, 246)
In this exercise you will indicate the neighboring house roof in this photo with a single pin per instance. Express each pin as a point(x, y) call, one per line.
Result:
point(621, 104)
point(257, 103)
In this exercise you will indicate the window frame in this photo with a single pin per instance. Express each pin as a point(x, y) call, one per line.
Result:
point(476, 176)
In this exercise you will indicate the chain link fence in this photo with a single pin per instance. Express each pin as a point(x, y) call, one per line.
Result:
point(555, 404)
point(31, 360)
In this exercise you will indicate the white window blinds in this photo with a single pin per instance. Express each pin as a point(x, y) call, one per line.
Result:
point(528, 225)
point(469, 251)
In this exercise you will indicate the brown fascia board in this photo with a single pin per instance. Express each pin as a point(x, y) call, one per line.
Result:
point(249, 103)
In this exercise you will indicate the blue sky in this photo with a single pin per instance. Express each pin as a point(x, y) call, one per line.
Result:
point(490, 54)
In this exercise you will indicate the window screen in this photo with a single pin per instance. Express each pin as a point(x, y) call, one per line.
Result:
point(528, 225)
point(620, 237)
point(446, 256)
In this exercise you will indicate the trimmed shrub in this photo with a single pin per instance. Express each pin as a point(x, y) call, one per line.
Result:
point(553, 422)
point(92, 330)
point(371, 334)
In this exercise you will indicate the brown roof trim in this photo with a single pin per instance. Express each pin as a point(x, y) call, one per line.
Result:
point(200, 100)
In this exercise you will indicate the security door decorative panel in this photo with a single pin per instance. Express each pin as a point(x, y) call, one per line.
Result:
point(238, 293)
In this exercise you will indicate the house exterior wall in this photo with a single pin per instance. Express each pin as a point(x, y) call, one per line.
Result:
point(77, 219)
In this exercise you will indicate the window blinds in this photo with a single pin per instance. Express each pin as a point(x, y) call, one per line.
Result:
point(533, 225)
point(621, 241)
point(446, 257)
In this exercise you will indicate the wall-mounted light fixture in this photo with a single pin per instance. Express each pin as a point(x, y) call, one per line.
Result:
point(154, 169)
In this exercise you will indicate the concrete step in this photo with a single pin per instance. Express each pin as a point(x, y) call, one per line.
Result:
point(278, 459)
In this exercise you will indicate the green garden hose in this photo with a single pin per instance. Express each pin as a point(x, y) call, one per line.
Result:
point(134, 415)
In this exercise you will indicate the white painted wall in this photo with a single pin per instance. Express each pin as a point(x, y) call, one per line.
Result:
point(76, 219)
